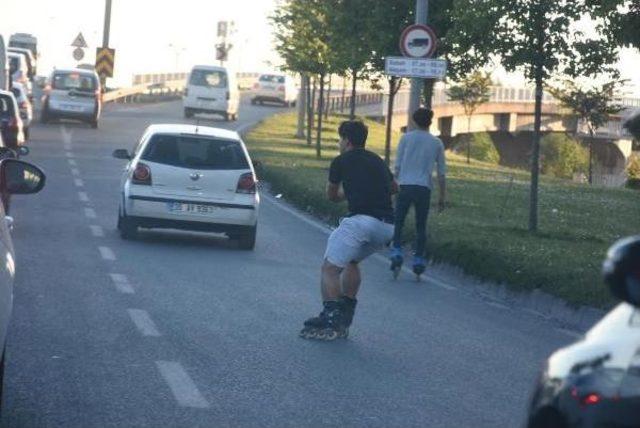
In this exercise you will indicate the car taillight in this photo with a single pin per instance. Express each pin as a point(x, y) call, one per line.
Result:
point(246, 184)
point(281, 88)
point(141, 175)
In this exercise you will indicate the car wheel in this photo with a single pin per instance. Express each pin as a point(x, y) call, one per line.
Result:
point(227, 117)
point(293, 103)
point(94, 124)
point(247, 238)
point(188, 113)
point(127, 227)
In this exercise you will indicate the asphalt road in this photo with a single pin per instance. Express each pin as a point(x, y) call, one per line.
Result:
point(184, 330)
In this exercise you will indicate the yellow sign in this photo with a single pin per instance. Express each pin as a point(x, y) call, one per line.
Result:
point(105, 59)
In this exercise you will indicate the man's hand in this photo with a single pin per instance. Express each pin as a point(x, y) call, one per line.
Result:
point(334, 192)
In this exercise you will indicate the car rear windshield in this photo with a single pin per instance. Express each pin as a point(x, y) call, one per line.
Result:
point(6, 106)
point(195, 152)
point(208, 78)
point(78, 81)
point(270, 78)
point(14, 64)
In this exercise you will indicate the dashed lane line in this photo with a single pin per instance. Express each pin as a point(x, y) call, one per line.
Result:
point(83, 196)
point(78, 182)
point(121, 283)
point(90, 213)
point(183, 388)
point(143, 322)
point(106, 253)
point(75, 171)
point(97, 231)
point(72, 162)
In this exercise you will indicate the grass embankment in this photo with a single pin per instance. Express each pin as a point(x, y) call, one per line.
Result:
point(484, 229)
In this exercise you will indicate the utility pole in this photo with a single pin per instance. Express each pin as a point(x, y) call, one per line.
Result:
point(422, 12)
point(302, 106)
point(105, 35)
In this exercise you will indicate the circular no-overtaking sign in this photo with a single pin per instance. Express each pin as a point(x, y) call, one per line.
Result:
point(78, 54)
point(418, 41)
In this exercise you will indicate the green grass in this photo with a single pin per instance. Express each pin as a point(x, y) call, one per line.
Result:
point(484, 229)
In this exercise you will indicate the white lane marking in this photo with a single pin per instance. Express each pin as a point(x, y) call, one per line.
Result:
point(143, 322)
point(184, 390)
point(106, 253)
point(122, 283)
point(72, 162)
point(69, 154)
point(327, 230)
point(83, 196)
point(78, 182)
point(75, 171)
point(66, 135)
point(97, 231)
point(90, 213)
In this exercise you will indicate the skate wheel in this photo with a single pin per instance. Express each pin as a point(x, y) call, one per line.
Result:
point(344, 334)
point(396, 273)
point(329, 335)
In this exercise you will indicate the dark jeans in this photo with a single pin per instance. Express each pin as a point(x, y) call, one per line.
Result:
point(420, 197)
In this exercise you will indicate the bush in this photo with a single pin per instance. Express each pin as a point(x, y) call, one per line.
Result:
point(482, 148)
point(562, 156)
point(633, 171)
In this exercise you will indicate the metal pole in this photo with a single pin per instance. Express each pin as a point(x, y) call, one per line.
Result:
point(107, 24)
point(422, 12)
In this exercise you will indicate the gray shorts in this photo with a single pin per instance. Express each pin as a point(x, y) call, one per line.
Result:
point(356, 238)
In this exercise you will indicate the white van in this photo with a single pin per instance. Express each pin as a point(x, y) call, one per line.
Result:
point(212, 90)
point(4, 66)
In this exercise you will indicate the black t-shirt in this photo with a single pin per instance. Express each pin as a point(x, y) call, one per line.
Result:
point(366, 181)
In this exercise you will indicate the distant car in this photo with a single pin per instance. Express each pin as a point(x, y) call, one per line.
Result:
point(16, 177)
point(189, 177)
point(275, 88)
point(20, 71)
point(10, 122)
point(32, 65)
point(72, 94)
point(24, 106)
point(596, 381)
point(211, 90)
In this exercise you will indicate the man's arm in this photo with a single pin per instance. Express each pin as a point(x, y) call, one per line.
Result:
point(334, 192)
point(399, 157)
point(442, 185)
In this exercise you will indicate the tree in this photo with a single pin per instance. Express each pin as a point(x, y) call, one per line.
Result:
point(472, 91)
point(622, 19)
point(302, 36)
point(350, 42)
point(633, 126)
point(387, 19)
point(537, 37)
point(593, 107)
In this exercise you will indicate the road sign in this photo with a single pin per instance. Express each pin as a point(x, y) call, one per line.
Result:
point(423, 68)
point(79, 41)
point(78, 54)
point(222, 28)
point(418, 41)
point(105, 60)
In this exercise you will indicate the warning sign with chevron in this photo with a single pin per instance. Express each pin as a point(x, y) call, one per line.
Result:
point(105, 59)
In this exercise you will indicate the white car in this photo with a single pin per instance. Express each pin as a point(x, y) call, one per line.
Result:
point(72, 94)
point(276, 88)
point(189, 177)
point(211, 90)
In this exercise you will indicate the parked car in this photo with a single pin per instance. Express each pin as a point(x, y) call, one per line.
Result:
point(19, 71)
point(276, 88)
point(596, 381)
point(24, 106)
point(189, 177)
point(72, 94)
point(32, 65)
point(211, 90)
point(16, 177)
point(10, 122)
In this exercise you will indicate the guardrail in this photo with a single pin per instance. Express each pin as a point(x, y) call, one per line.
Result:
point(146, 92)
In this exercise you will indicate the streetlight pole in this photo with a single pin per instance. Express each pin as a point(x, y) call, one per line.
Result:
point(422, 12)
point(105, 33)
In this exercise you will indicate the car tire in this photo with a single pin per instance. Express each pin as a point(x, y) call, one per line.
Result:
point(247, 238)
point(127, 227)
point(227, 117)
point(94, 124)
point(188, 113)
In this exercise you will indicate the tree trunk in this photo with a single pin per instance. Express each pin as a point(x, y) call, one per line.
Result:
point(354, 82)
point(428, 93)
point(344, 93)
point(320, 114)
point(590, 156)
point(311, 109)
point(469, 139)
point(387, 137)
point(327, 104)
point(535, 156)
point(302, 105)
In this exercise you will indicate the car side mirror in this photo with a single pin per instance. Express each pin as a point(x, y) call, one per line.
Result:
point(121, 154)
point(21, 178)
point(23, 150)
point(621, 270)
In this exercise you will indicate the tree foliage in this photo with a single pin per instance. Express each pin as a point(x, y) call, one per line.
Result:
point(563, 156)
point(481, 147)
point(472, 91)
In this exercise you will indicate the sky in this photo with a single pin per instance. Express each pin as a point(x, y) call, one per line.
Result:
point(168, 36)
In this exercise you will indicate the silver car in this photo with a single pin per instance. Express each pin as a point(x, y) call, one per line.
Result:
point(72, 94)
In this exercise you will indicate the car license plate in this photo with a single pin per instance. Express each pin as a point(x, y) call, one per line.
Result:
point(180, 208)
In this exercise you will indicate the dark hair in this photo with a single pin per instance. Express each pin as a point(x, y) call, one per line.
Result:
point(423, 117)
point(354, 131)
